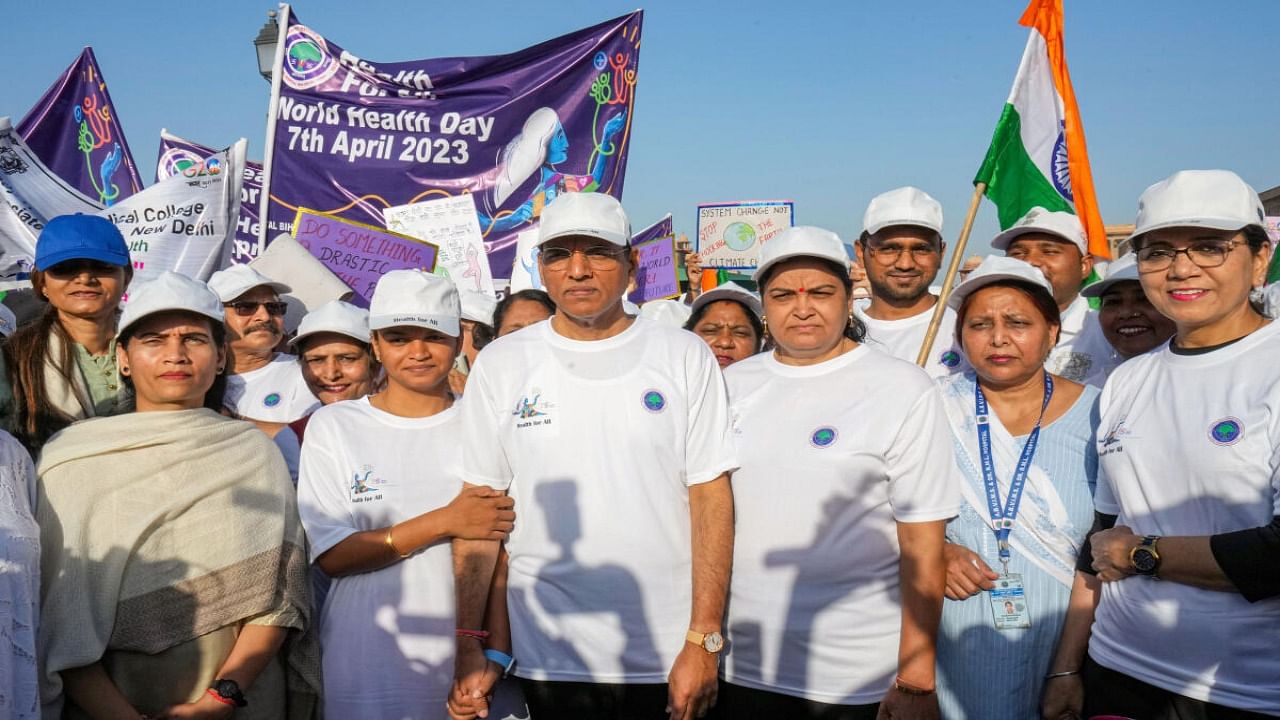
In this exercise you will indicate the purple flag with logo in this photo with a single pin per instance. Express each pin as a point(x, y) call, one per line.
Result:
point(75, 130)
point(350, 137)
point(179, 156)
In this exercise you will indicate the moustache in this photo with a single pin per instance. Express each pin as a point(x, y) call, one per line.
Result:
point(261, 327)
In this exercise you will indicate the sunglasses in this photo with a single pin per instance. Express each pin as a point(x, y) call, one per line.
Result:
point(246, 308)
point(73, 268)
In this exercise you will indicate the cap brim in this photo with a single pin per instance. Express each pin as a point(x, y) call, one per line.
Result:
point(296, 339)
point(791, 256)
point(448, 325)
point(973, 285)
point(1224, 224)
point(752, 303)
point(220, 319)
point(872, 230)
point(110, 258)
point(590, 233)
point(1003, 240)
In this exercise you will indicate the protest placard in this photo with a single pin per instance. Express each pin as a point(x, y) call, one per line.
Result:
point(360, 254)
point(656, 277)
point(730, 234)
point(449, 223)
point(1273, 228)
point(524, 267)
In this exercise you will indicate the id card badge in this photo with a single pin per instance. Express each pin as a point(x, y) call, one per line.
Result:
point(1009, 603)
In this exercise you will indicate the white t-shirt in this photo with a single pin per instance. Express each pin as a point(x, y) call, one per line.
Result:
point(386, 637)
point(598, 442)
point(902, 339)
point(274, 392)
point(1083, 353)
point(1190, 445)
point(833, 456)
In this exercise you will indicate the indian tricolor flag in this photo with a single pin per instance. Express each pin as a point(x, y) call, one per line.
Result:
point(1037, 157)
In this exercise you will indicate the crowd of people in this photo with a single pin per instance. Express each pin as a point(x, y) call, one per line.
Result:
point(747, 504)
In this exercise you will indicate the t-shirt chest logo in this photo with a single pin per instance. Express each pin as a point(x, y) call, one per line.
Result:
point(1226, 431)
point(1113, 440)
point(532, 410)
point(823, 437)
point(949, 359)
point(653, 401)
point(271, 400)
point(365, 486)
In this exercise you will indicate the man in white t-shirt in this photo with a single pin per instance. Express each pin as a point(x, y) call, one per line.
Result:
point(1056, 243)
point(262, 384)
point(901, 249)
point(612, 434)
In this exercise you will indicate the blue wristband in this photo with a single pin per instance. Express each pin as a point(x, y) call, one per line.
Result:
point(503, 660)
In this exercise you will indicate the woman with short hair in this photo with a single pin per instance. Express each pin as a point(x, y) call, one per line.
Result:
point(1023, 442)
point(521, 309)
point(174, 561)
point(1188, 501)
point(837, 571)
point(62, 367)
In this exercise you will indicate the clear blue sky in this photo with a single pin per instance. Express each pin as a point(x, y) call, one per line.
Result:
point(825, 103)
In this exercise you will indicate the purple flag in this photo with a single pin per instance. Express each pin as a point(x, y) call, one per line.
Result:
point(350, 137)
point(662, 228)
point(178, 156)
point(75, 130)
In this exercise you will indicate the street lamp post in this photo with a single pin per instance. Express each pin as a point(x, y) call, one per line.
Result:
point(265, 44)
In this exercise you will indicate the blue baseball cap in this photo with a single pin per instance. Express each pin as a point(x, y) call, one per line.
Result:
point(80, 237)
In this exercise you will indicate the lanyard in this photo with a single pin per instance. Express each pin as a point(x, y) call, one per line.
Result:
point(1002, 518)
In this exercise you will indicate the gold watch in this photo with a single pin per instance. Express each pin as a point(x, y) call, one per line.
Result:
point(712, 642)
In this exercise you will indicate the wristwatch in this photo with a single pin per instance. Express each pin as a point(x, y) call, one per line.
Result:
point(1145, 558)
point(229, 690)
point(712, 642)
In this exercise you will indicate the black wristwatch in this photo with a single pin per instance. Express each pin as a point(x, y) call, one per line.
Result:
point(1145, 558)
point(229, 690)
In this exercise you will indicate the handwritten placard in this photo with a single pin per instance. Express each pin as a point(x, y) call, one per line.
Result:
point(360, 254)
point(451, 224)
point(656, 276)
point(730, 234)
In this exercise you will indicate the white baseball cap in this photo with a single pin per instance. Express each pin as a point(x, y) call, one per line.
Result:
point(994, 269)
point(801, 241)
point(477, 306)
point(169, 292)
point(237, 280)
point(8, 321)
point(1060, 224)
point(590, 214)
point(1122, 268)
point(414, 297)
point(1216, 199)
point(667, 312)
point(338, 317)
point(903, 206)
point(729, 291)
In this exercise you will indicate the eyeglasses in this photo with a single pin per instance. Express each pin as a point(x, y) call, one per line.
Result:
point(1204, 253)
point(246, 308)
point(72, 268)
point(599, 257)
point(889, 254)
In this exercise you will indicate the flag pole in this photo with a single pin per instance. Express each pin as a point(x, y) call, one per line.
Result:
point(957, 257)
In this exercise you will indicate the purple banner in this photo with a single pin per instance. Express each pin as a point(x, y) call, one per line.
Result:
point(351, 138)
point(656, 276)
point(360, 254)
point(660, 229)
point(179, 156)
point(75, 130)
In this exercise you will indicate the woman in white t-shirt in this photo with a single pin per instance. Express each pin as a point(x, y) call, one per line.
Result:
point(727, 318)
point(840, 501)
point(378, 493)
point(1188, 500)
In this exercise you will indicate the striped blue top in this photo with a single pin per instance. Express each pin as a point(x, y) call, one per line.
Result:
point(990, 674)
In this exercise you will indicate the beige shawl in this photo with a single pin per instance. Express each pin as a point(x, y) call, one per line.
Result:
point(162, 527)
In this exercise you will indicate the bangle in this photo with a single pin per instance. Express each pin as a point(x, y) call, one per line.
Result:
point(906, 689)
point(480, 635)
point(214, 694)
point(501, 659)
point(392, 544)
point(1064, 673)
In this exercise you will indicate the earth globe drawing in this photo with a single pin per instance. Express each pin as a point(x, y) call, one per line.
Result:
point(739, 236)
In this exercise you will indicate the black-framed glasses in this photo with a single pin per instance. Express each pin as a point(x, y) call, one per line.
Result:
point(1203, 253)
point(246, 308)
point(889, 254)
point(72, 268)
point(599, 257)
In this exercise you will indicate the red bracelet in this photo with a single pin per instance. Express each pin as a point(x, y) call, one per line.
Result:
point(480, 635)
point(214, 694)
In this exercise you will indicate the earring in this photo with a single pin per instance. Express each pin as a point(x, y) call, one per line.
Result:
point(124, 371)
